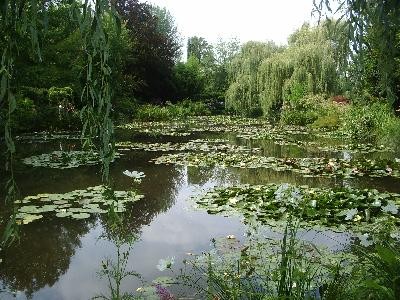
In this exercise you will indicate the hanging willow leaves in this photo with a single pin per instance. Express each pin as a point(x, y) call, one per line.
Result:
point(18, 21)
point(96, 93)
point(373, 34)
point(243, 95)
point(262, 74)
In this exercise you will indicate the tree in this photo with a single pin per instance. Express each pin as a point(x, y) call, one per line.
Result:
point(155, 49)
point(199, 48)
point(189, 79)
point(373, 34)
point(243, 95)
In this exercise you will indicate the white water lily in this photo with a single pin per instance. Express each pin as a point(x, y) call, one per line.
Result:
point(280, 192)
point(134, 174)
point(349, 213)
point(166, 263)
point(377, 203)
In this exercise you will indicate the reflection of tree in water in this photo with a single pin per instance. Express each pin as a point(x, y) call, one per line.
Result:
point(42, 255)
point(159, 187)
point(265, 176)
point(202, 175)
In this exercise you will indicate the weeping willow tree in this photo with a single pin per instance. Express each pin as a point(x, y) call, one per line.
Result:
point(373, 33)
point(262, 76)
point(19, 20)
point(311, 63)
point(243, 95)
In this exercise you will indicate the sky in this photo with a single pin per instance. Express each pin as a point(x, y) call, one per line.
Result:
point(260, 20)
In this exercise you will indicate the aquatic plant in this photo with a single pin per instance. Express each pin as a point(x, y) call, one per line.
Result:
point(307, 167)
point(64, 159)
point(78, 204)
point(165, 263)
point(341, 208)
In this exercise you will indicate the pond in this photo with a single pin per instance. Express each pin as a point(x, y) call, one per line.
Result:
point(60, 257)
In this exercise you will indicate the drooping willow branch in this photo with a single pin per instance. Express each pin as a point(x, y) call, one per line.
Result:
point(96, 94)
point(18, 21)
point(373, 28)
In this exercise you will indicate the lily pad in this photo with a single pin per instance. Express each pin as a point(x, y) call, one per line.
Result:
point(80, 216)
point(64, 160)
point(81, 204)
point(331, 207)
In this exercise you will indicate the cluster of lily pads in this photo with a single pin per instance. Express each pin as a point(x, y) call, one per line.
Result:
point(42, 137)
point(356, 148)
point(64, 159)
point(78, 204)
point(289, 136)
point(194, 145)
point(338, 207)
point(254, 129)
point(198, 124)
point(307, 167)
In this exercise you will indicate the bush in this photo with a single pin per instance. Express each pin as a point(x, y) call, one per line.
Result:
point(302, 111)
point(389, 132)
point(298, 117)
point(183, 109)
point(366, 122)
point(150, 112)
point(124, 108)
point(60, 95)
point(25, 115)
point(330, 121)
point(39, 96)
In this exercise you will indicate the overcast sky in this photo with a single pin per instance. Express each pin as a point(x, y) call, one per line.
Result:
point(247, 20)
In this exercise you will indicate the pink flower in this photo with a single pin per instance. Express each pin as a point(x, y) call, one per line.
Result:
point(164, 293)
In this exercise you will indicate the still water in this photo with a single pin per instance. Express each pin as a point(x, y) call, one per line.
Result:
point(60, 258)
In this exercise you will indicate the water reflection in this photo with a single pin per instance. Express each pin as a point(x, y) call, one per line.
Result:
point(59, 258)
point(42, 254)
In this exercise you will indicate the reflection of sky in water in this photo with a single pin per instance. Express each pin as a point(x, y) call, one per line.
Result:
point(165, 220)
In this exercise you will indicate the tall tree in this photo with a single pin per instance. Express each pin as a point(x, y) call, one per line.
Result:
point(199, 48)
point(155, 49)
point(373, 32)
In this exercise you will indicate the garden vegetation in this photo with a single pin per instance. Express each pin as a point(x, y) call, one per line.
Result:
point(67, 65)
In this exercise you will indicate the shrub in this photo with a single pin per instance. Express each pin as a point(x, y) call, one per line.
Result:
point(40, 96)
point(330, 121)
point(191, 108)
point(124, 108)
point(60, 95)
point(180, 110)
point(298, 117)
point(302, 111)
point(366, 122)
point(25, 115)
point(389, 132)
point(150, 112)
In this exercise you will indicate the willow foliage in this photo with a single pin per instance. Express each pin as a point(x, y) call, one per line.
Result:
point(243, 95)
point(263, 79)
point(18, 21)
point(373, 30)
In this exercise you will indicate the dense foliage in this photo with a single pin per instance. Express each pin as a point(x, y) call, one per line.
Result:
point(266, 78)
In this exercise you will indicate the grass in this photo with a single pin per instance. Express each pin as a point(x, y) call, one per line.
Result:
point(292, 269)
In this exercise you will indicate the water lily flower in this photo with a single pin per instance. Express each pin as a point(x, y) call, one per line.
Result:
point(166, 263)
point(134, 174)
